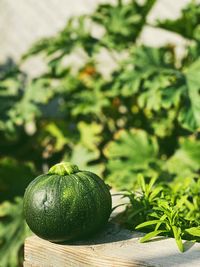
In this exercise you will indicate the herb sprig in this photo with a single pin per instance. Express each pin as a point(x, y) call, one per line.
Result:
point(167, 209)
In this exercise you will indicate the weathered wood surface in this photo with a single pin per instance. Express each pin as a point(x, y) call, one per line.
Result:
point(113, 247)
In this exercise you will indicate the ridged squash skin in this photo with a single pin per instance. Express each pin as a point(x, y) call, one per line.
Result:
point(62, 207)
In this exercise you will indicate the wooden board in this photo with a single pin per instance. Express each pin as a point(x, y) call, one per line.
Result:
point(113, 247)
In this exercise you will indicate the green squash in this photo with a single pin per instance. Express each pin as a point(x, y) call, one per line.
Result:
point(67, 204)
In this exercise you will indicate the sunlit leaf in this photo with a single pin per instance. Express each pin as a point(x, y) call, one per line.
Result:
point(177, 235)
point(130, 152)
point(90, 134)
point(147, 224)
point(194, 231)
point(150, 235)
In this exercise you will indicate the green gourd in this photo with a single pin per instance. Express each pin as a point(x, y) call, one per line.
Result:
point(67, 204)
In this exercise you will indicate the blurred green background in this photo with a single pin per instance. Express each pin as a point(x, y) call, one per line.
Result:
point(142, 116)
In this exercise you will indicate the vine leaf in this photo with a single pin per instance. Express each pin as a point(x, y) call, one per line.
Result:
point(130, 151)
point(122, 22)
point(90, 134)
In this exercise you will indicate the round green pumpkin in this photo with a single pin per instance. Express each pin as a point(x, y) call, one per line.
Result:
point(66, 204)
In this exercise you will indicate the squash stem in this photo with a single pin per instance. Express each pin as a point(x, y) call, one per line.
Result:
point(63, 168)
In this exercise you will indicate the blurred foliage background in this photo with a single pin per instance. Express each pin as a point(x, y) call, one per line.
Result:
point(142, 117)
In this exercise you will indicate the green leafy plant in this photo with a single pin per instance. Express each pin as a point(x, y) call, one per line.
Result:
point(167, 209)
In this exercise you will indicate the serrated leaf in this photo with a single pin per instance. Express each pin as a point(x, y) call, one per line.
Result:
point(58, 132)
point(171, 95)
point(90, 134)
point(90, 102)
point(152, 60)
point(122, 22)
point(130, 152)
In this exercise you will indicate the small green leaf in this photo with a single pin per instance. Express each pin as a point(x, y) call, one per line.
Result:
point(141, 182)
point(141, 225)
point(177, 236)
point(148, 236)
point(194, 231)
point(155, 193)
point(162, 220)
point(152, 182)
